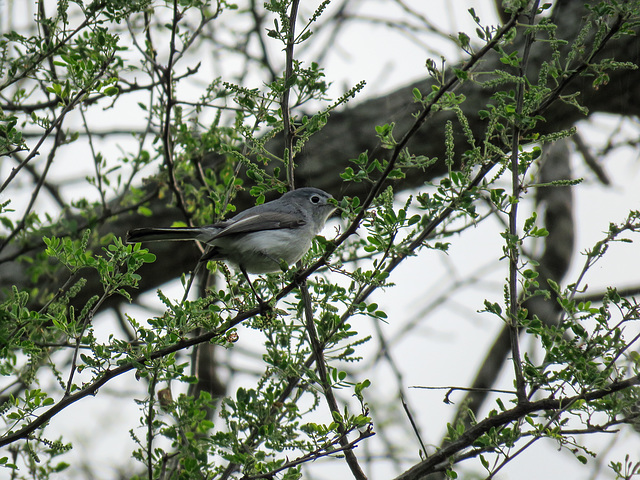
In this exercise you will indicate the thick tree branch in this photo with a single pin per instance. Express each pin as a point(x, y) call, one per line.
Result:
point(436, 461)
point(352, 131)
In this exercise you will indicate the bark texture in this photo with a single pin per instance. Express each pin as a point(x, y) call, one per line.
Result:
point(352, 131)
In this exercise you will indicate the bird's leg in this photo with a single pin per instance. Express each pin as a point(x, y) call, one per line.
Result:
point(264, 306)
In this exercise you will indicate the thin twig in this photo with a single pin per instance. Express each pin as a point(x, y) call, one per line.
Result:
point(43, 55)
point(416, 430)
point(109, 374)
point(96, 160)
point(87, 223)
point(166, 74)
point(504, 418)
point(36, 191)
point(401, 145)
point(149, 420)
point(79, 335)
point(513, 242)
point(318, 349)
point(58, 121)
point(312, 456)
point(284, 102)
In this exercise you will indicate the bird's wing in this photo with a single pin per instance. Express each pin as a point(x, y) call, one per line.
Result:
point(257, 222)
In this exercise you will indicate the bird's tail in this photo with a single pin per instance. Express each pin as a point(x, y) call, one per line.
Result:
point(162, 234)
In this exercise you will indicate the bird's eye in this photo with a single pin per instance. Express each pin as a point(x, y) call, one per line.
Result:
point(315, 199)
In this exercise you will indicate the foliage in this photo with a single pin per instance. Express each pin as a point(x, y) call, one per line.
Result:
point(305, 403)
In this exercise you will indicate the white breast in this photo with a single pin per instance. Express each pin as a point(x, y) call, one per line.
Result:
point(262, 252)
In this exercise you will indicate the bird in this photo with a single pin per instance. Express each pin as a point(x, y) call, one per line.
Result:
point(260, 238)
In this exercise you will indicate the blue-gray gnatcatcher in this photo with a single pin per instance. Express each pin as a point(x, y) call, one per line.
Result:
point(258, 239)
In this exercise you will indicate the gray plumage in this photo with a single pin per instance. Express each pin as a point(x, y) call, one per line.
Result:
point(260, 237)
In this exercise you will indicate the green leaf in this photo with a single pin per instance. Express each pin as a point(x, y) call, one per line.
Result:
point(145, 211)
point(461, 74)
point(148, 257)
point(396, 174)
